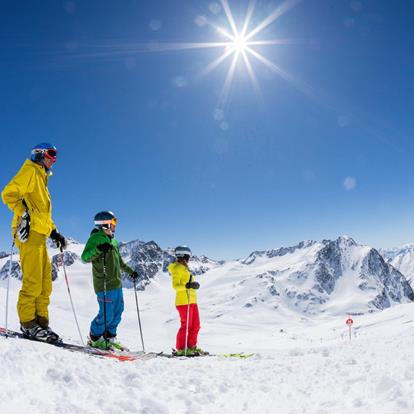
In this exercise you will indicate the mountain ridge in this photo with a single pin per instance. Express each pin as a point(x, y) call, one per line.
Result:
point(310, 277)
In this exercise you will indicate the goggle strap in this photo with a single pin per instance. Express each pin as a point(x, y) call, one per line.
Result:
point(46, 153)
point(112, 221)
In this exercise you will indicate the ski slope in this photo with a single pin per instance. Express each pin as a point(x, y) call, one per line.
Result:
point(302, 364)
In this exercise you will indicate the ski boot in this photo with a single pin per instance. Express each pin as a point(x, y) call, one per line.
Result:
point(190, 352)
point(100, 343)
point(181, 352)
point(198, 351)
point(52, 336)
point(37, 333)
point(116, 345)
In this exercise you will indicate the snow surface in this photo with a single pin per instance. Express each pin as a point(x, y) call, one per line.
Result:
point(302, 364)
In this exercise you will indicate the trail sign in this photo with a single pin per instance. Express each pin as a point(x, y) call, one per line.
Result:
point(349, 323)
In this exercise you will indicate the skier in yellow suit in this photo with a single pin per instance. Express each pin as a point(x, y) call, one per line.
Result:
point(186, 303)
point(28, 197)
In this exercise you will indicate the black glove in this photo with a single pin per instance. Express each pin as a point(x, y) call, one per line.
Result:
point(192, 285)
point(59, 240)
point(23, 229)
point(105, 247)
point(134, 276)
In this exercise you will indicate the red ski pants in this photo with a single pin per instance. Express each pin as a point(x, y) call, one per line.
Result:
point(193, 326)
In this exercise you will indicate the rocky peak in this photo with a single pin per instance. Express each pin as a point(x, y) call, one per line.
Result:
point(281, 251)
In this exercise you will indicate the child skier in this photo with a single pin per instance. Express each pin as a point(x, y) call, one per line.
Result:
point(186, 303)
point(102, 250)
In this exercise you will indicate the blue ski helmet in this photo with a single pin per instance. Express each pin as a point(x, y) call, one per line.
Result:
point(104, 219)
point(182, 251)
point(43, 150)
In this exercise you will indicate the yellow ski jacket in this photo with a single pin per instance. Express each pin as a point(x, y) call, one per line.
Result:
point(180, 276)
point(30, 185)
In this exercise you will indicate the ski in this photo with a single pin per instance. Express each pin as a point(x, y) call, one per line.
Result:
point(232, 355)
point(240, 355)
point(118, 355)
point(100, 353)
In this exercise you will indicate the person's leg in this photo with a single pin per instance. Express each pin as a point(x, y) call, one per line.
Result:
point(31, 262)
point(194, 326)
point(43, 300)
point(180, 342)
point(98, 324)
point(118, 308)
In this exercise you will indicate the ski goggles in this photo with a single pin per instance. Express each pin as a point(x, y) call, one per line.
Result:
point(51, 154)
point(111, 222)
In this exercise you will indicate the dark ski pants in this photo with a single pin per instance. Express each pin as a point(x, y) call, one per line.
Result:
point(114, 308)
point(193, 326)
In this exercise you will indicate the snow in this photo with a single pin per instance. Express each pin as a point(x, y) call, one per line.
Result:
point(302, 364)
point(402, 258)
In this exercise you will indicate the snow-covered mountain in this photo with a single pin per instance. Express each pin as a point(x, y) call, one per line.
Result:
point(147, 258)
point(402, 258)
point(312, 277)
point(336, 277)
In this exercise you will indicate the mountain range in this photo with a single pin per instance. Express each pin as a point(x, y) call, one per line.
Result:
point(312, 277)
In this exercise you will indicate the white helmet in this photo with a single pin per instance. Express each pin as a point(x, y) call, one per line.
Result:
point(182, 251)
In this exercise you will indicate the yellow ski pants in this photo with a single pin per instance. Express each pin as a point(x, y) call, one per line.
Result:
point(32, 306)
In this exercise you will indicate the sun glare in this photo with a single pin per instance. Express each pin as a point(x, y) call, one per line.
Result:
point(239, 44)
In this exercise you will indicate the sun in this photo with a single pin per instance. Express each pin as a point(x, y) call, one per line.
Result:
point(239, 44)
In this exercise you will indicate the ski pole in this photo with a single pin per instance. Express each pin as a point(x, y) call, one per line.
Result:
point(187, 323)
point(8, 285)
point(104, 297)
point(62, 257)
point(139, 319)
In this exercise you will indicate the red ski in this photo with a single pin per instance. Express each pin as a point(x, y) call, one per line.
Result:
point(117, 355)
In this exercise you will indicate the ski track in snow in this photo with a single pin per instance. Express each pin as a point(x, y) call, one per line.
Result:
point(300, 366)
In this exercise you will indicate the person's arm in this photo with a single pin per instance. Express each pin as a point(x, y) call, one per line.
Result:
point(90, 252)
point(178, 278)
point(15, 191)
point(192, 284)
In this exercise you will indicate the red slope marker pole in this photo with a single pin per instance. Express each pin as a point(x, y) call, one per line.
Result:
point(349, 322)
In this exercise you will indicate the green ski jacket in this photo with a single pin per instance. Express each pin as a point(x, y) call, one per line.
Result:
point(114, 262)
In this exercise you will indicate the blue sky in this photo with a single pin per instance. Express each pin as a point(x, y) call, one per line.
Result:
point(324, 152)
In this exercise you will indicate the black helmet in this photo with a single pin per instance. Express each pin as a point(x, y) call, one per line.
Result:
point(104, 219)
point(182, 251)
